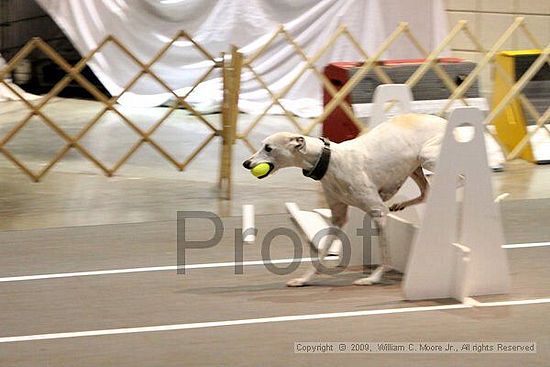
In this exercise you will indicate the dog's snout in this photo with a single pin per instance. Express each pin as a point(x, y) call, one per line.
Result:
point(246, 164)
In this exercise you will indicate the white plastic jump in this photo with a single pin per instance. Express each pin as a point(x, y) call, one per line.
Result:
point(400, 93)
point(459, 253)
point(249, 227)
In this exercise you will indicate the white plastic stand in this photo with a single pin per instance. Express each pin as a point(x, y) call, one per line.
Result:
point(456, 253)
point(249, 227)
point(398, 235)
point(401, 93)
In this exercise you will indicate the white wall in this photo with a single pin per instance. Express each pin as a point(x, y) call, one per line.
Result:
point(488, 19)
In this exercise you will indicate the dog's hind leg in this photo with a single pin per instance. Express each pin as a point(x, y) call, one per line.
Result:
point(420, 179)
point(428, 157)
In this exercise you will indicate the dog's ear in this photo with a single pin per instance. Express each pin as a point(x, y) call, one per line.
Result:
point(298, 143)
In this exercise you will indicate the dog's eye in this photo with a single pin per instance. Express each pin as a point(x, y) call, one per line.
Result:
point(268, 148)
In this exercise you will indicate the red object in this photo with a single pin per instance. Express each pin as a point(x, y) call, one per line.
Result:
point(337, 126)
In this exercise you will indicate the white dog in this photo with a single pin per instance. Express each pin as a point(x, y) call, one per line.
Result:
point(363, 172)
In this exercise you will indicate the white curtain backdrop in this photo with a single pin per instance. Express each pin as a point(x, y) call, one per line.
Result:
point(144, 26)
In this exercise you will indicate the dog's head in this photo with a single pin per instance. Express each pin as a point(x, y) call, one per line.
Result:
point(278, 150)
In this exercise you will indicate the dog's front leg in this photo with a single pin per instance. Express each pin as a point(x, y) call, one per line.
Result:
point(339, 214)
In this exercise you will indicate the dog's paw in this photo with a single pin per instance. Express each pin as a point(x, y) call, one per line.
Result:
point(397, 207)
point(297, 282)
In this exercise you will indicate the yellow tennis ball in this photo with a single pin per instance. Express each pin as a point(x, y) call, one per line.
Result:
point(261, 169)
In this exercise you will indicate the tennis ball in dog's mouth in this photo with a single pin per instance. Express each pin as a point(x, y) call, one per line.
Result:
point(261, 170)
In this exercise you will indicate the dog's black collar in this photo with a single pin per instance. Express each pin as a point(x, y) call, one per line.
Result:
point(320, 168)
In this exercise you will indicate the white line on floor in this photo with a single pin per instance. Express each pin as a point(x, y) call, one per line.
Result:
point(152, 268)
point(526, 245)
point(263, 320)
point(21, 278)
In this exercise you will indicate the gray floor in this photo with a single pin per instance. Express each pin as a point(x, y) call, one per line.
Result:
point(77, 220)
point(164, 298)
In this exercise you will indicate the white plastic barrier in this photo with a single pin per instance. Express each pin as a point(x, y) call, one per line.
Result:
point(458, 253)
point(400, 93)
point(249, 227)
